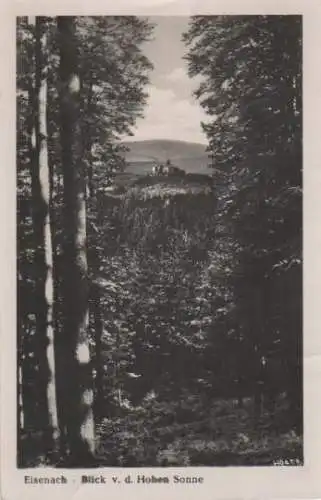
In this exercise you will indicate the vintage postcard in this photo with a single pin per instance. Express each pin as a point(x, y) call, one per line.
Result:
point(161, 259)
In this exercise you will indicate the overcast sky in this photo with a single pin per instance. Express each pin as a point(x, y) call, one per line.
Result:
point(172, 112)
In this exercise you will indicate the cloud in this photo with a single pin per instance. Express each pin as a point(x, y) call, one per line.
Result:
point(169, 117)
point(177, 75)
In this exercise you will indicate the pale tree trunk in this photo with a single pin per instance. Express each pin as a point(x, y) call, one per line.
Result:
point(74, 354)
point(43, 242)
point(20, 409)
point(98, 326)
point(87, 140)
point(96, 313)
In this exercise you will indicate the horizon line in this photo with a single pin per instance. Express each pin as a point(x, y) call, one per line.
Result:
point(164, 139)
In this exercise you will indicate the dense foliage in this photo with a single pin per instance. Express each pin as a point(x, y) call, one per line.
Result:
point(195, 283)
point(252, 93)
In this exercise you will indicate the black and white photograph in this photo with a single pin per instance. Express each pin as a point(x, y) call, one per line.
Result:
point(159, 242)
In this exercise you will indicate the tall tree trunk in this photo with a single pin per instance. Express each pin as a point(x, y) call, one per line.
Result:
point(21, 403)
point(74, 354)
point(98, 326)
point(97, 320)
point(87, 139)
point(43, 243)
point(257, 382)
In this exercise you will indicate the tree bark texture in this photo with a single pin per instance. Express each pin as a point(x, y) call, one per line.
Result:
point(74, 354)
point(47, 418)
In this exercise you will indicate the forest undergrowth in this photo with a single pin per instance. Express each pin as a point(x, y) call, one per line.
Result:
point(183, 434)
point(165, 403)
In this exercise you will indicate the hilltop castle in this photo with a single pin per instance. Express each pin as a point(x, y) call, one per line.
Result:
point(167, 169)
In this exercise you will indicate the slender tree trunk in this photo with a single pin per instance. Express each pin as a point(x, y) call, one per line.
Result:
point(98, 326)
point(87, 140)
point(34, 174)
point(257, 380)
point(240, 403)
point(74, 355)
point(48, 421)
point(20, 405)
